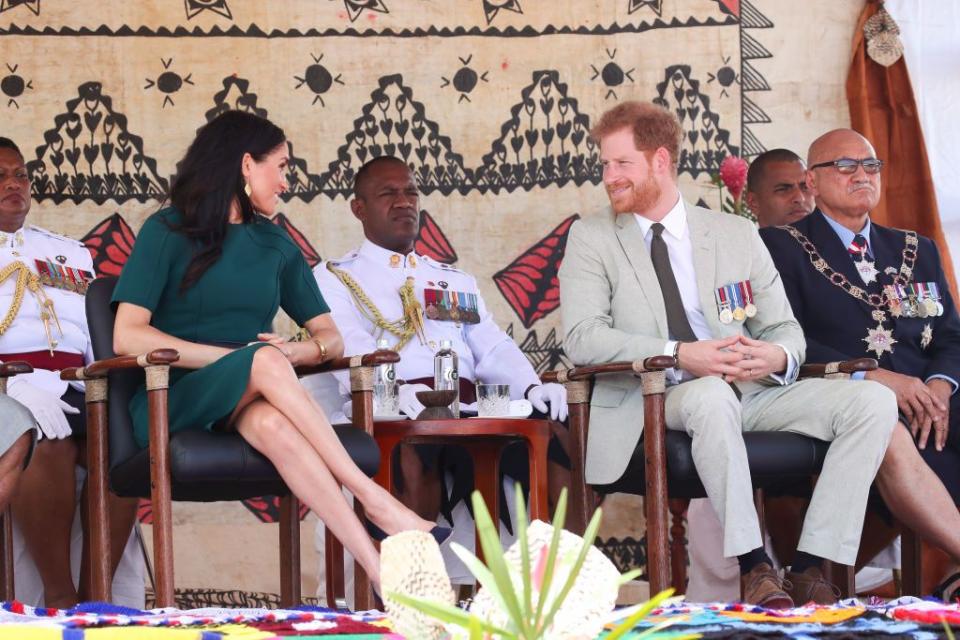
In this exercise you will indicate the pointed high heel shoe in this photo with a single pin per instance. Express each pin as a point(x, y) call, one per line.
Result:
point(440, 534)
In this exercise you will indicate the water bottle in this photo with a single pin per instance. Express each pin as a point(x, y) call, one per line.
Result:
point(385, 399)
point(445, 373)
point(384, 373)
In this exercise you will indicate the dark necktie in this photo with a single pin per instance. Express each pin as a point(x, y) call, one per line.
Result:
point(858, 248)
point(677, 321)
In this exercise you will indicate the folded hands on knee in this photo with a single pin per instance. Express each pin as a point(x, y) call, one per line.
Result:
point(735, 358)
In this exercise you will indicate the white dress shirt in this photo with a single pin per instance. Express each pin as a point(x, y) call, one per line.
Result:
point(676, 235)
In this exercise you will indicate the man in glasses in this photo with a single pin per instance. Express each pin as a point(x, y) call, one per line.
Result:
point(859, 289)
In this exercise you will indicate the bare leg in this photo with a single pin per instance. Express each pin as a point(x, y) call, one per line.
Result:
point(272, 434)
point(43, 506)
point(916, 496)
point(273, 379)
point(11, 467)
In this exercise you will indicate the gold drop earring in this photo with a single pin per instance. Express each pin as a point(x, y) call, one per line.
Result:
point(246, 189)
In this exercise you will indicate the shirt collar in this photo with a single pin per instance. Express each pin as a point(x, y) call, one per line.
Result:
point(846, 236)
point(382, 256)
point(675, 222)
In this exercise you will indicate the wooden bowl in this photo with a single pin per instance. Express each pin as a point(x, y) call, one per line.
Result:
point(437, 404)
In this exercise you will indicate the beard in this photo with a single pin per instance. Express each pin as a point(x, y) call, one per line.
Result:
point(637, 198)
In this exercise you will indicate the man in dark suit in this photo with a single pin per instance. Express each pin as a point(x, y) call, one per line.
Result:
point(859, 289)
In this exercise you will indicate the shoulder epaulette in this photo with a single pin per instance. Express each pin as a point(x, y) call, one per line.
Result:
point(442, 265)
point(348, 257)
point(57, 236)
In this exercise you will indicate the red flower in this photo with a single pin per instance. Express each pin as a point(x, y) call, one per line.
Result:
point(733, 173)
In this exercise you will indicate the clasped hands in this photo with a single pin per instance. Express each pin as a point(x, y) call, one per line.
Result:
point(735, 358)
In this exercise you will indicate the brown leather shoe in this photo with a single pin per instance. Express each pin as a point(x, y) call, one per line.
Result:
point(763, 587)
point(811, 586)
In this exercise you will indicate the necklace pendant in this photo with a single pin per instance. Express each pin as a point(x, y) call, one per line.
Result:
point(868, 272)
point(926, 337)
point(878, 316)
point(880, 340)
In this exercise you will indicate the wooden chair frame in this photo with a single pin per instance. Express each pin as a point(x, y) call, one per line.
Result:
point(666, 552)
point(156, 365)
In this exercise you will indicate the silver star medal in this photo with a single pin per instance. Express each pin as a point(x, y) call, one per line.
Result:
point(868, 272)
point(926, 337)
point(880, 340)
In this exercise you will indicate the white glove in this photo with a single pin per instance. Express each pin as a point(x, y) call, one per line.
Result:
point(551, 394)
point(46, 407)
point(407, 396)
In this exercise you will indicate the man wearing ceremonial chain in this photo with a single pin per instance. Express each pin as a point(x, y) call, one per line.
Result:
point(862, 289)
point(385, 290)
point(43, 279)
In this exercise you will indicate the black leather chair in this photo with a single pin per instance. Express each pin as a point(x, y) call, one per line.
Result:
point(193, 465)
point(671, 479)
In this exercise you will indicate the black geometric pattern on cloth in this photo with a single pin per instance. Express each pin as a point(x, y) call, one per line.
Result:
point(90, 154)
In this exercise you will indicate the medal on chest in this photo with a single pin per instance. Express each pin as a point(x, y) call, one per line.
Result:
point(451, 306)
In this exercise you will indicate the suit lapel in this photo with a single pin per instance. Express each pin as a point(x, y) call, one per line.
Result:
point(631, 240)
point(704, 242)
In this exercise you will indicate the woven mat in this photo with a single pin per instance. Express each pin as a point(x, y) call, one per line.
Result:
point(903, 618)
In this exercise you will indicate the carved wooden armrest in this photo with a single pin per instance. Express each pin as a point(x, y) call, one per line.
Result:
point(841, 369)
point(13, 368)
point(10, 369)
point(578, 379)
point(100, 368)
point(361, 361)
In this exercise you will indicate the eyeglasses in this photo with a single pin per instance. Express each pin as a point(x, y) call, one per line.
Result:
point(849, 165)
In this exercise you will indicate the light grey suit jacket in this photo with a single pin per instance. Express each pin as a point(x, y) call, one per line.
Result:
point(612, 309)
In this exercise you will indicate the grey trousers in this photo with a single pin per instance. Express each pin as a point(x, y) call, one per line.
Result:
point(856, 417)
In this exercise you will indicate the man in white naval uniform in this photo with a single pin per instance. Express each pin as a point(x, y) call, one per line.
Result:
point(363, 290)
point(43, 278)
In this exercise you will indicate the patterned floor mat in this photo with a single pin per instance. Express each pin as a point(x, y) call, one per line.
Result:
point(903, 618)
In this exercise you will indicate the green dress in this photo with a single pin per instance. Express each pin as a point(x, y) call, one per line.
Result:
point(260, 270)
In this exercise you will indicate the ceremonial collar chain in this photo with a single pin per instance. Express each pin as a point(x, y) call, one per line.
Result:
point(879, 339)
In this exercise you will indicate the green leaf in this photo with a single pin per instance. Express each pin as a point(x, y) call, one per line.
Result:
point(446, 613)
point(588, 537)
point(629, 575)
point(559, 515)
point(628, 624)
point(524, 550)
point(493, 554)
point(476, 629)
point(482, 574)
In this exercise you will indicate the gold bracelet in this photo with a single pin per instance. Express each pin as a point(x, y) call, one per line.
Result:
point(322, 347)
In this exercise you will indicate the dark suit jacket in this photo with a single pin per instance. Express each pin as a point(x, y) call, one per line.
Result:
point(835, 322)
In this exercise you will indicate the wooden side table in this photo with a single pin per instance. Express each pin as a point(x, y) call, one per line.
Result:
point(485, 439)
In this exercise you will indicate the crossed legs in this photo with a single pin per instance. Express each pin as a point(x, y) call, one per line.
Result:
point(277, 416)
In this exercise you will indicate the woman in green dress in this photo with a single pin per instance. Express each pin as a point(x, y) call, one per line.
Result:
point(206, 277)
